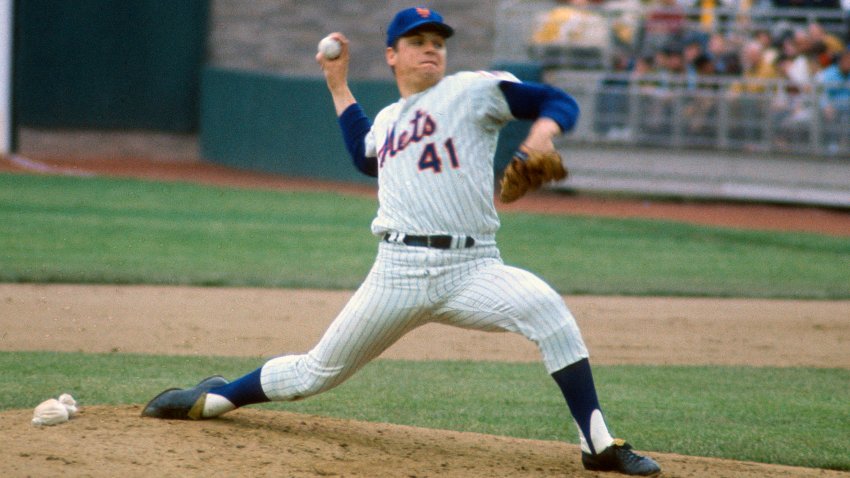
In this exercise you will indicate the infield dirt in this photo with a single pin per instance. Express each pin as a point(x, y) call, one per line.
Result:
point(114, 441)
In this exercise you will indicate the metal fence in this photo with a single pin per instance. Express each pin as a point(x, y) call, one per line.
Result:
point(677, 111)
point(714, 112)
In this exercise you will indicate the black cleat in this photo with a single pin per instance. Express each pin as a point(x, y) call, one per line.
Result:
point(182, 404)
point(620, 457)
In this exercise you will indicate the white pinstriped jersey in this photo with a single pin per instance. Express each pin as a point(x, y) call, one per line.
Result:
point(435, 157)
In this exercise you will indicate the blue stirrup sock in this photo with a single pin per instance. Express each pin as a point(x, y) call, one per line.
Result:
point(243, 391)
point(576, 383)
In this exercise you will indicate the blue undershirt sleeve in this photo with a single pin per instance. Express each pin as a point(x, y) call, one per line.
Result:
point(355, 125)
point(532, 100)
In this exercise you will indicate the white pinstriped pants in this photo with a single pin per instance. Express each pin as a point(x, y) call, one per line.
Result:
point(411, 286)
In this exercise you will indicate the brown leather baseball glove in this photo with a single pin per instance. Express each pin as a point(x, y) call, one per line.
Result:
point(528, 170)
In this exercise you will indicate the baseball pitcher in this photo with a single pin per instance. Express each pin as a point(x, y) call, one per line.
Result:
point(437, 261)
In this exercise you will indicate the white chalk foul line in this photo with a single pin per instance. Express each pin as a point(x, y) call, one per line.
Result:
point(39, 167)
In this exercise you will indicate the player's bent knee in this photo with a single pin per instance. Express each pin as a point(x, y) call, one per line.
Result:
point(294, 377)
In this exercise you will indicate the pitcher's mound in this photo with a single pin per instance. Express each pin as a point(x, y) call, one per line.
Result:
point(115, 441)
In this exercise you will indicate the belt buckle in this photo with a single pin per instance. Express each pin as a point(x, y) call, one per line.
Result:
point(444, 242)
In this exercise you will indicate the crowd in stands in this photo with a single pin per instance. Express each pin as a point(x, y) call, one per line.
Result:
point(799, 66)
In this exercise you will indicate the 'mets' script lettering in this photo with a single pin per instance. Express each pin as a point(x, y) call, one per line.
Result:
point(421, 126)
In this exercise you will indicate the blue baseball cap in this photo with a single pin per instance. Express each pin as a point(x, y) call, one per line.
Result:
point(413, 18)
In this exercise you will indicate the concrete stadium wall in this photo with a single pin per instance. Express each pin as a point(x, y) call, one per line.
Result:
point(280, 36)
point(707, 175)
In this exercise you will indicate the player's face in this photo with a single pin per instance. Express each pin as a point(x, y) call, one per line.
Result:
point(419, 60)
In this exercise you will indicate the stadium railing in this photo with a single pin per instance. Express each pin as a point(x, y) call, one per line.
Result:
point(706, 112)
point(667, 111)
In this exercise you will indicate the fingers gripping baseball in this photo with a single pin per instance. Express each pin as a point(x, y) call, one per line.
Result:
point(528, 170)
point(331, 47)
point(332, 55)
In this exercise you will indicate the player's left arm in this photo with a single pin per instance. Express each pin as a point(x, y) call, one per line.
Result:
point(553, 111)
point(537, 160)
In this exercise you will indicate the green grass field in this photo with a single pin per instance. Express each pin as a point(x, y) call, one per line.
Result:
point(791, 416)
point(84, 230)
point(58, 229)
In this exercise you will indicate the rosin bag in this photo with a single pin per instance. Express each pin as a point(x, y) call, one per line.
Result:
point(54, 412)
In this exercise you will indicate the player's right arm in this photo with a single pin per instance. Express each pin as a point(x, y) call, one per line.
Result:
point(355, 126)
point(336, 75)
point(353, 122)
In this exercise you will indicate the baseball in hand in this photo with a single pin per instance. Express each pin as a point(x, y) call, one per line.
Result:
point(330, 47)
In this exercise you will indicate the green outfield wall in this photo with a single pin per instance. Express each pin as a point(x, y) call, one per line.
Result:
point(105, 64)
point(281, 124)
point(268, 122)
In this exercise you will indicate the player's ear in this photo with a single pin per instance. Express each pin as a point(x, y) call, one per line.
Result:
point(390, 55)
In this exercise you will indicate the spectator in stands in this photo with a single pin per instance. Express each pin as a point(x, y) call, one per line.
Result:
point(700, 108)
point(573, 34)
point(818, 33)
point(660, 104)
point(748, 99)
point(692, 49)
point(612, 101)
point(671, 67)
point(572, 22)
point(835, 101)
point(690, 52)
point(673, 60)
point(836, 82)
point(814, 52)
point(665, 21)
point(625, 17)
point(820, 57)
point(769, 48)
point(723, 54)
point(795, 65)
point(758, 68)
point(643, 67)
point(790, 110)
